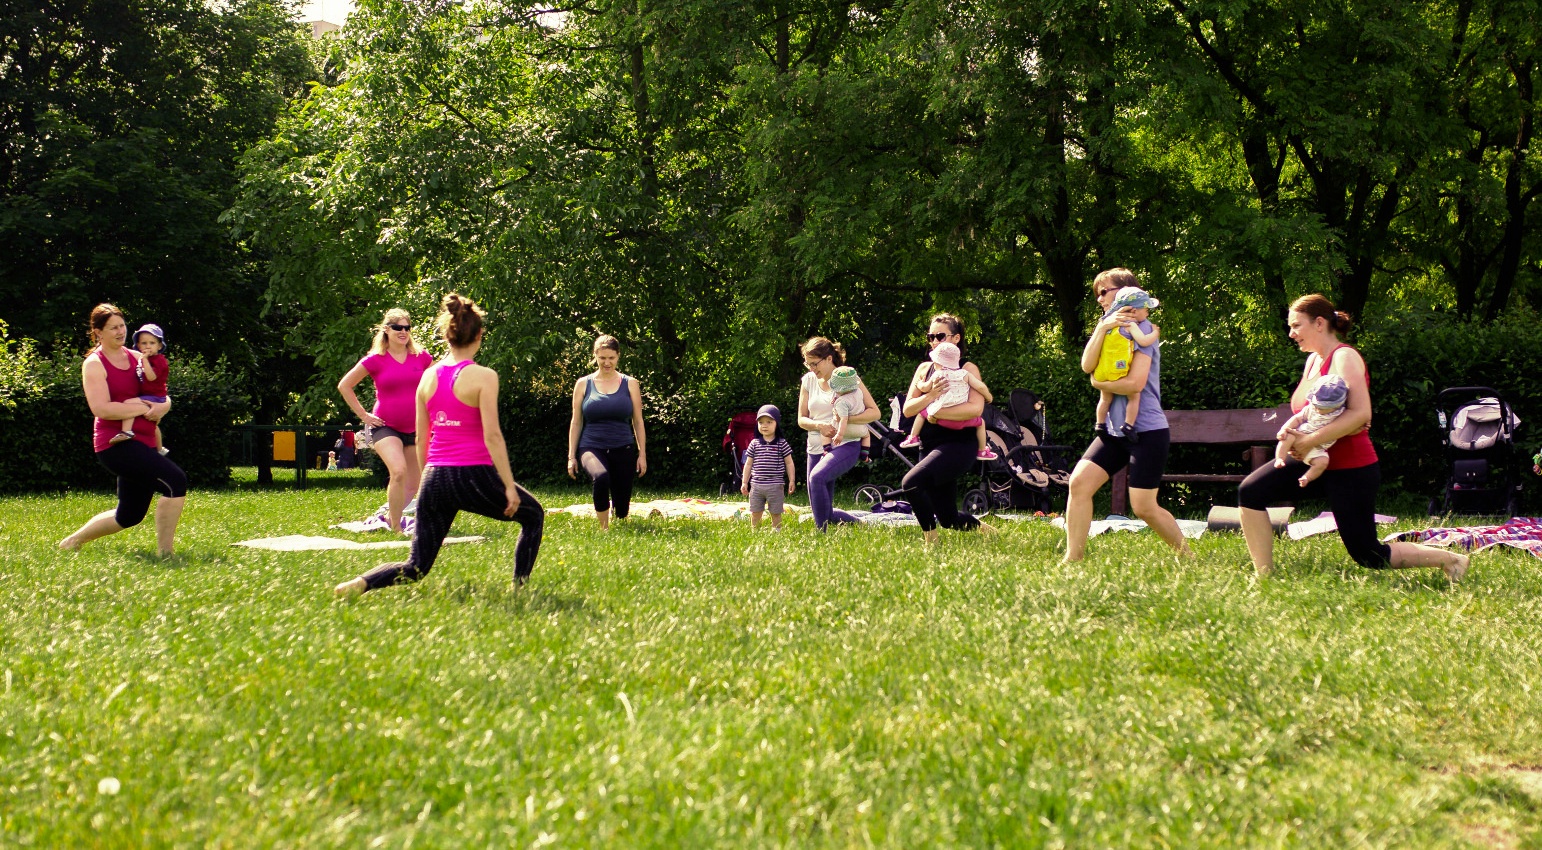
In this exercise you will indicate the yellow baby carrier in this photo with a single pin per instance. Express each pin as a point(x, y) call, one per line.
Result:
point(1114, 362)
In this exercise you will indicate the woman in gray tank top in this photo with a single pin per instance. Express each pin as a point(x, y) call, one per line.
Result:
point(606, 435)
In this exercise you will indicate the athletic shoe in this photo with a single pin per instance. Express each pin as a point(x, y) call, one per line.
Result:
point(119, 437)
point(910, 442)
point(985, 454)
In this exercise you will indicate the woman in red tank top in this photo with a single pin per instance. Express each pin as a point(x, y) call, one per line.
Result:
point(1353, 475)
point(112, 390)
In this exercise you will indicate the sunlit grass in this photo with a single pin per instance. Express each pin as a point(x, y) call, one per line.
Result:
point(690, 683)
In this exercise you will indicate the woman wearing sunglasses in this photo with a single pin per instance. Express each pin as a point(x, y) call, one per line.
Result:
point(946, 453)
point(396, 363)
point(1146, 456)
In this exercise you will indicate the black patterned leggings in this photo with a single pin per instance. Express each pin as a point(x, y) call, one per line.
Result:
point(446, 491)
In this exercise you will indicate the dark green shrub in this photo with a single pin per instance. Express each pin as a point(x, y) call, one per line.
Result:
point(47, 426)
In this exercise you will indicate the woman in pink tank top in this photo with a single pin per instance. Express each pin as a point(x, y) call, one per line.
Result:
point(396, 364)
point(1353, 475)
point(465, 461)
point(111, 383)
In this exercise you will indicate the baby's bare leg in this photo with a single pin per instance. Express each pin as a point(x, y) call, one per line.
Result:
point(1314, 468)
point(1282, 451)
point(1105, 401)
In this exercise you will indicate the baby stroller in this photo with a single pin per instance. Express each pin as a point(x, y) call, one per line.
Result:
point(736, 441)
point(1027, 473)
point(1478, 436)
point(886, 437)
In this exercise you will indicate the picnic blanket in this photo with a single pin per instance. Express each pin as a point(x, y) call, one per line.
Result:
point(1520, 532)
point(308, 543)
point(1191, 528)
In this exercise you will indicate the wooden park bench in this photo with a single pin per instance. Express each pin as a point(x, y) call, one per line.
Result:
point(1254, 428)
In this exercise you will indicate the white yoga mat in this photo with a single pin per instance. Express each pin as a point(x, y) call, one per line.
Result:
point(308, 543)
point(1191, 528)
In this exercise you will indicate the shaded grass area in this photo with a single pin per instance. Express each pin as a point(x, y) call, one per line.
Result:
point(688, 683)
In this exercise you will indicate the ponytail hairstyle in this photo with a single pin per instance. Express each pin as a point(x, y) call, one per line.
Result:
point(606, 342)
point(101, 314)
point(382, 343)
point(459, 320)
point(1315, 306)
point(820, 347)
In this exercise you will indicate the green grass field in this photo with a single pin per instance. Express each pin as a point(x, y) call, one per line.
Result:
point(692, 684)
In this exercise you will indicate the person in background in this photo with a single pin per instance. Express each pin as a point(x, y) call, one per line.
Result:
point(396, 363)
point(606, 437)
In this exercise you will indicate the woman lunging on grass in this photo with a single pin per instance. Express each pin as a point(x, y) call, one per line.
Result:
point(112, 389)
point(1142, 447)
point(1353, 473)
point(465, 462)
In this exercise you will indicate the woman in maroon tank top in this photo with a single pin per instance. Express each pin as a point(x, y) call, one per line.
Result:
point(1353, 475)
point(110, 379)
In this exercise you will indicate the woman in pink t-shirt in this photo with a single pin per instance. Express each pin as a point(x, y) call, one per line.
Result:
point(465, 460)
point(396, 363)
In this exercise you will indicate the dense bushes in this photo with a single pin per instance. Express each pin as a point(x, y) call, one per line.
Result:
point(46, 426)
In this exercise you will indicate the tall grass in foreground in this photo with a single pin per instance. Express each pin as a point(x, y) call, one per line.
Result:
point(688, 683)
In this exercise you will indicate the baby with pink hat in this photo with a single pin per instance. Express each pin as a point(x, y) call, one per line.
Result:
point(960, 382)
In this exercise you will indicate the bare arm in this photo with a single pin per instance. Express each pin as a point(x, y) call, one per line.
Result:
point(1142, 338)
point(977, 383)
point(1357, 410)
point(1094, 348)
point(425, 431)
point(791, 475)
point(93, 379)
point(922, 391)
point(869, 408)
point(148, 367)
point(345, 388)
point(1140, 370)
point(744, 475)
point(575, 427)
point(492, 433)
point(637, 427)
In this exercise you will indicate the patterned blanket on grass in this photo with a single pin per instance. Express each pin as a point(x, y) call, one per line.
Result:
point(1520, 532)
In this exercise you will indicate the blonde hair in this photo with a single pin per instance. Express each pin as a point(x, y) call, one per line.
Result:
point(382, 333)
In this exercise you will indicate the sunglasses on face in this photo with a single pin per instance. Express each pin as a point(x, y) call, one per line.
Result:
point(400, 327)
point(1103, 292)
point(937, 337)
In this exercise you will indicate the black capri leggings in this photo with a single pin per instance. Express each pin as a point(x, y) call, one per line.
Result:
point(930, 486)
point(613, 471)
point(448, 490)
point(1351, 495)
point(142, 472)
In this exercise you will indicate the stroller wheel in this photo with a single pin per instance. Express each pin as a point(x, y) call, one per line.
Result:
point(867, 496)
point(977, 502)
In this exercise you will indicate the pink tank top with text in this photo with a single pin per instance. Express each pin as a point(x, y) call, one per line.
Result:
point(454, 427)
point(122, 385)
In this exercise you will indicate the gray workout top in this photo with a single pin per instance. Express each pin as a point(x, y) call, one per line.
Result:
point(607, 418)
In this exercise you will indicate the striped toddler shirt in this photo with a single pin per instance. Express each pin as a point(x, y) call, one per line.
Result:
point(768, 460)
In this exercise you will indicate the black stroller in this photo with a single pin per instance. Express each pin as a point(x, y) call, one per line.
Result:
point(1478, 435)
point(1027, 473)
point(886, 439)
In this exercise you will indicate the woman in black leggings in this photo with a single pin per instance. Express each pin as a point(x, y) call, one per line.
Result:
point(606, 435)
point(1353, 474)
point(110, 377)
point(946, 453)
point(463, 455)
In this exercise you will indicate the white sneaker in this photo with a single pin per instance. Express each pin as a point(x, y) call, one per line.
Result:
point(910, 442)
